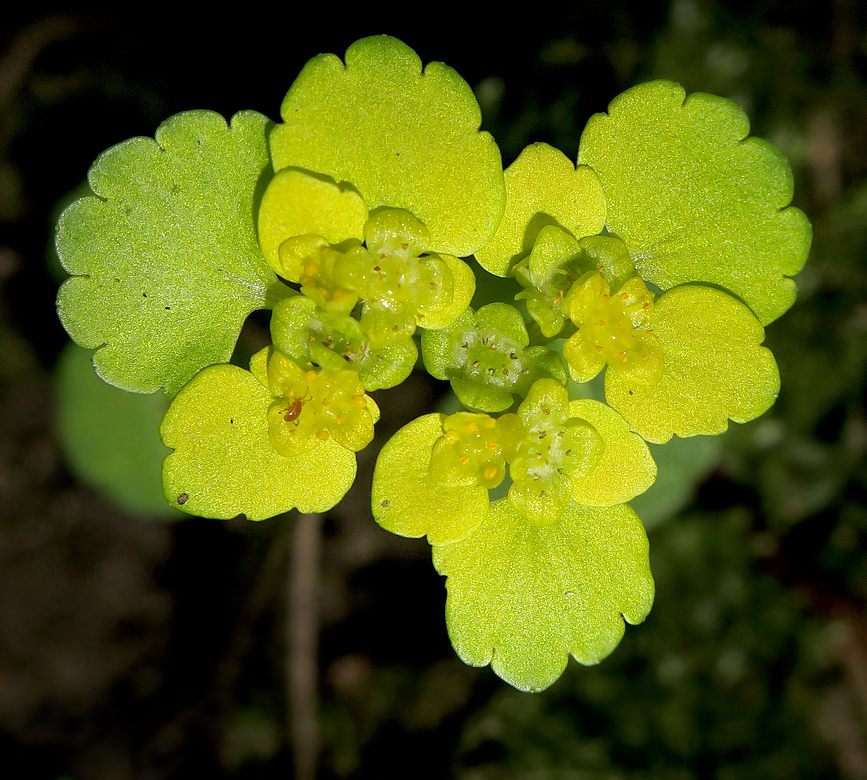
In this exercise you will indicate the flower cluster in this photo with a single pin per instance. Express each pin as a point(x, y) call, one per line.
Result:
point(657, 259)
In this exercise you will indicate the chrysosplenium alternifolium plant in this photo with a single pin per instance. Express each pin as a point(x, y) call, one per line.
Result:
point(657, 259)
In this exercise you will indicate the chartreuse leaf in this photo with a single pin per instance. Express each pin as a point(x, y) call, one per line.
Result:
point(408, 501)
point(714, 368)
point(626, 468)
point(111, 438)
point(223, 462)
point(403, 137)
point(298, 203)
point(694, 198)
point(523, 598)
point(543, 188)
point(166, 248)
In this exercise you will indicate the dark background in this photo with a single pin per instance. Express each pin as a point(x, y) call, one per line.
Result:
point(141, 648)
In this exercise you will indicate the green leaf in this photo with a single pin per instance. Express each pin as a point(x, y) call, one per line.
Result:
point(402, 137)
point(110, 437)
point(714, 368)
point(165, 249)
point(223, 463)
point(543, 188)
point(298, 203)
point(522, 598)
point(626, 468)
point(408, 502)
point(694, 198)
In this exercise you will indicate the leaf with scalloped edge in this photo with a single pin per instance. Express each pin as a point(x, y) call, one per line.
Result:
point(523, 598)
point(298, 203)
point(223, 463)
point(165, 249)
point(694, 198)
point(715, 368)
point(403, 137)
point(626, 468)
point(543, 188)
point(406, 501)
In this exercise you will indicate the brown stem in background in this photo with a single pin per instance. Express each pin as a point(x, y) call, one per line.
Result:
point(302, 625)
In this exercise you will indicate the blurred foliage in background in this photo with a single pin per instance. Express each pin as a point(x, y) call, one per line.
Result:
point(132, 647)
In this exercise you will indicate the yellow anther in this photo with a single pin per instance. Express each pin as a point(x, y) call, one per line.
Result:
point(622, 357)
point(471, 427)
point(359, 402)
point(340, 418)
point(310, 377)
point(322, 435)
point(338, 294)
point(310, 269)
point(452, 437)
point(624, 297)
point(464, 459)
point(492, 445)
point(490, 472)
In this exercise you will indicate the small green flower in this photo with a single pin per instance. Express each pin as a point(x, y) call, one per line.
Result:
point(613, 329)
point(486, 357)
point(382, 259)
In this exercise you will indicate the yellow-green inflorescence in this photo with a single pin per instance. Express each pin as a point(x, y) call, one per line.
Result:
point(545, 448)
point(400, 283)
point(311, 405)
point(613, 329)
point(656, 259)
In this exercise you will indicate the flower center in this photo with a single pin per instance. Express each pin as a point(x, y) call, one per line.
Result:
point(316, 405)
point(612, 329)
point(391, 273)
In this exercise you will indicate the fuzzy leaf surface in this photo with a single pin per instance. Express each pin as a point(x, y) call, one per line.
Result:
point(402, 136)
point(165, 248)
point(223, 462)
point(523, 598)
point(408, 502)
point(694, 198)
point(626, 468)
point(715, 368)
point(543, 187)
